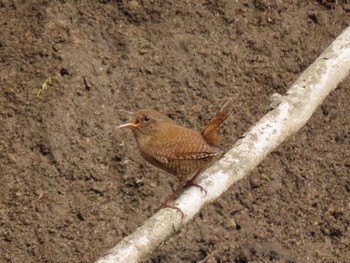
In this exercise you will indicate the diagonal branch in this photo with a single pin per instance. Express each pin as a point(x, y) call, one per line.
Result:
point(293, 111)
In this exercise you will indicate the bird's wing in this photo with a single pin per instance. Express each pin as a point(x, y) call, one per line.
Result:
point(184, 144)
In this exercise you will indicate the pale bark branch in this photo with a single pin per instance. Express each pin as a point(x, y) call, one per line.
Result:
point(293, 111)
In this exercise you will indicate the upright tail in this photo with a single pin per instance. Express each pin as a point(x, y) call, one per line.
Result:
point(211, 131)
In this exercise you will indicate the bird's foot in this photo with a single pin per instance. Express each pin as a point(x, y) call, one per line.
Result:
point(167, 205)
point(192, 183)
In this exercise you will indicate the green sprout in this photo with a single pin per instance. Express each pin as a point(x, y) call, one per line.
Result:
point(44, 87)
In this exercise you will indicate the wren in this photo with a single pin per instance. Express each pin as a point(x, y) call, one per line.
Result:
point(180, 151)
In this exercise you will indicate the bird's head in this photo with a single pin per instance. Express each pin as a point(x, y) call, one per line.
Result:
point(146, 122)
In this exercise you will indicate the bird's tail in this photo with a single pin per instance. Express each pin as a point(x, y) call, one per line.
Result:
point(211, 131)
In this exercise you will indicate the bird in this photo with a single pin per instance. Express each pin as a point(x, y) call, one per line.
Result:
point(180, 151)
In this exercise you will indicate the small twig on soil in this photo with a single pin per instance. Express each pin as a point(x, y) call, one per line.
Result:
point(265, 177)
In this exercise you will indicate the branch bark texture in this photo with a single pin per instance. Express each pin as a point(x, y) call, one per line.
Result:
point(293, 111)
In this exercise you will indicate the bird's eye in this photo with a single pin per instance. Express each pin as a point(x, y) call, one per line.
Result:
point(146, 118)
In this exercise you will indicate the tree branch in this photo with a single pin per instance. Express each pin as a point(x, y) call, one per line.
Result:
point(293, 111)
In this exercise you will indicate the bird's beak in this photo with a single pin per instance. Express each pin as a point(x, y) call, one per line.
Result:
point(128, 125)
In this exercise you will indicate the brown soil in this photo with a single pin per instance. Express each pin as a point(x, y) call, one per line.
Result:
point(72, 185)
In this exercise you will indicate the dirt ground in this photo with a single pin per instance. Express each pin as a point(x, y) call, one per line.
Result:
point(72, 185)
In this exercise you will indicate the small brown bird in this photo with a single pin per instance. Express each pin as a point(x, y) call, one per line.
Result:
point(177, 150)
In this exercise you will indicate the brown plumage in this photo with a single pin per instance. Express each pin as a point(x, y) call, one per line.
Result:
point(178, 150)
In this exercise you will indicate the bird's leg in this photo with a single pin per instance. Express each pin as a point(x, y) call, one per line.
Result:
point(166, 204)
point(182, 184)
point(191, 182)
